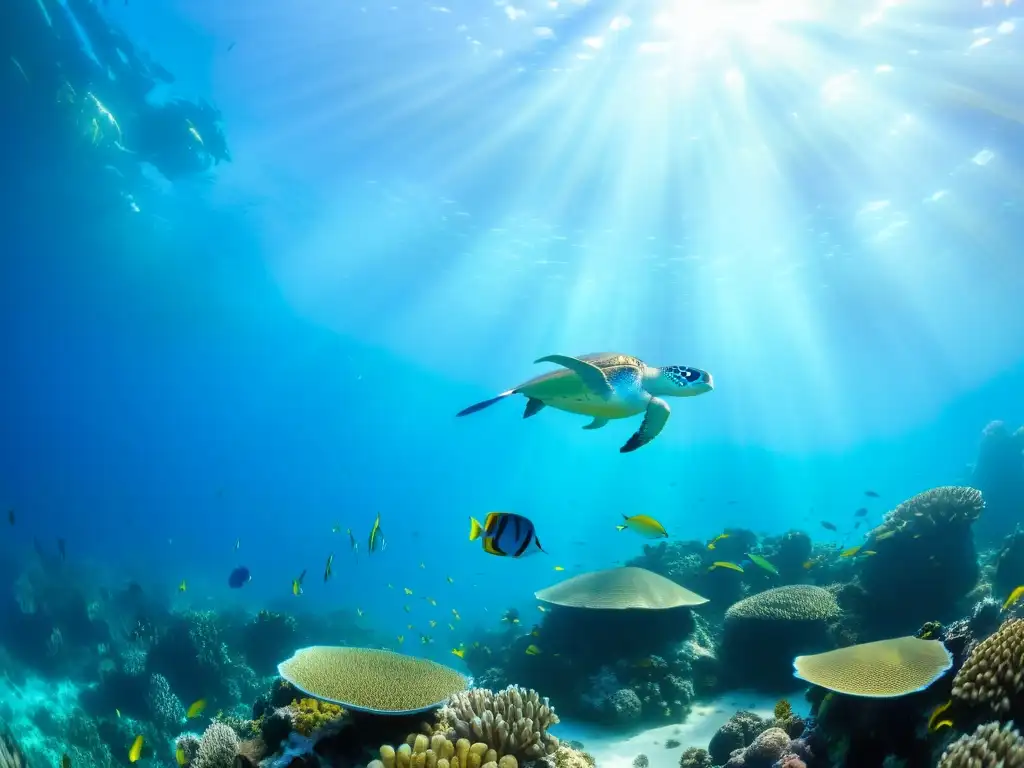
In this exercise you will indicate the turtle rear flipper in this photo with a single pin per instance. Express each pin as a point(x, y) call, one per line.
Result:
point(654, 420)
point(533, 406)
point(484, 404)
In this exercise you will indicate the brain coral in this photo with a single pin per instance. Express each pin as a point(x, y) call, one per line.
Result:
point(925, 548)
point(514, 721)
point(765, 631)
point(797, 602)
point(371, 680)
point(882, 669)
point(923, 512)
point(990, 746)
point(993, 674)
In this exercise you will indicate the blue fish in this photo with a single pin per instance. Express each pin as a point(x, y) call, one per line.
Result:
point(506, 535)
point(239, 577)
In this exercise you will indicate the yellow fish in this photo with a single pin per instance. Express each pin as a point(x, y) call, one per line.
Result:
point(391, 586)
point(179, 756)
point(182, 587)
point(718, 538)
point(408, 591)
point(456, 615)
point(532, 650)
point(327, 570)
point(1016, 595)
point(761, 562)
point(869, 552)
point(422, 565)
point(407, 609)
point(851, 551)
point(450, 580)
point(117, 712)
point(359, 611)
point(645, 525)
point(196, 709)
point(297, 584)
point(884, 536)
point(432, 623)
point(460, 652)
point(409, 626)
point(431, 600)
point(934, 723)
point(136, 751)
point(401, 639)
point(723, 564)
point(542, 609)
point(535, 632)
point(451, 627)
point(559, 568)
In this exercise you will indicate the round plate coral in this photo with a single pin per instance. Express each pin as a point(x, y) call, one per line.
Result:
point(883, 669)
point(619, 589)
point(371, 680)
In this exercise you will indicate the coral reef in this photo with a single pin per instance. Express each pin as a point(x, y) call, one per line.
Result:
point(881, 669)
point(924, 547)
point(766, 748)
point(371, 680)
point(310, 715)
point(625, 588)
point(990, 746)
point(217, 747)
point(695, 757)
point(11, 755)
point(166, 710)
point(188, 746)
point(993, 675)
point(736, 734)
point(1008, 572)
point(664, 657)
point(267, 638)
point(999, 474)
point(513, 721)
point(764, 632)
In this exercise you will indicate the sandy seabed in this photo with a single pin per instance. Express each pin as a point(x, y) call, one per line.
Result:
point(619, 750)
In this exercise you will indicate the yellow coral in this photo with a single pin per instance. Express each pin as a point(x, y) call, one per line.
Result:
point(882, 669)
point(371, 680)
point(313, 714)
point(783, 710)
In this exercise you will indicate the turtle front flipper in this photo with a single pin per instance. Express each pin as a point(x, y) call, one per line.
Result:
point(597, 423)
point(654, 420)
point(591, 376)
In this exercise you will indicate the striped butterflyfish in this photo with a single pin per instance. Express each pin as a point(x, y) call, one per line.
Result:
point(505, 535)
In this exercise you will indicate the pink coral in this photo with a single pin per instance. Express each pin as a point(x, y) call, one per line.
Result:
point(791, 761)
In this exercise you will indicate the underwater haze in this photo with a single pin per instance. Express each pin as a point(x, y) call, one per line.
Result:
point(237, 362)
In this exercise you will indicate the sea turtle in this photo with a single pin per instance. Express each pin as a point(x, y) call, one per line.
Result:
point(607, 386)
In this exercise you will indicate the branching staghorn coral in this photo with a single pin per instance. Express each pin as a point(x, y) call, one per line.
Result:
point(513, 721)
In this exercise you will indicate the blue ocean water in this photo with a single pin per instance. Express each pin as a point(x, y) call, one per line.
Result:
point(820, 204)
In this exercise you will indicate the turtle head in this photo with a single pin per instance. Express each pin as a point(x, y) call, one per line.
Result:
point(678, 381)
